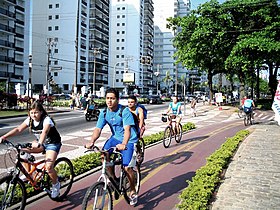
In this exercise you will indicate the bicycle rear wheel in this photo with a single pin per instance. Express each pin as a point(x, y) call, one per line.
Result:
point(246, 120)
point(240, 113)
point(126, 183)
point(97, 197)
point(65, 173)
point(12, 193)
point(179, 134)
point(140, 151)
point(167, 136)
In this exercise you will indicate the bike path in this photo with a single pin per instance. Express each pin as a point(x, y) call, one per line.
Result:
point(164, 171)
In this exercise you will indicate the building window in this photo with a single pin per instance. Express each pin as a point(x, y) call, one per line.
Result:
point(56, 16)
point(123, 32)
point(122, 56)
point(49, 28)
point(117, 48)
point(55, 74)
point(55, 62)
point(118, 8)
point(118, 24)
point(55, 50)
point(50, 6)
point(118, 40)
point(56, 28)
point(50, 17)
point(118, 16)
point(55, 39)
point(122, 40)
point(123, 8)
point(118, 32)
point(117, 56)
point(123, 16)
point(117, 80)
point(123, 24)
point(122, 48)
point(56, 5)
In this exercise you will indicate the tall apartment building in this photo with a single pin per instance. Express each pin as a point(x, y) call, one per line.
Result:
point(163, 47)
point(14, 44)
point(70, 44)
point(131, 38)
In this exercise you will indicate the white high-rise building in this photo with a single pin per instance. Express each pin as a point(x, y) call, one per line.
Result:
point(70, 44)
point(163, 47)
point(14, 44)
point(131, 38)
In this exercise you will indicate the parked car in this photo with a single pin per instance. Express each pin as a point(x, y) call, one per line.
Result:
point(189, 97)
point(154, 99)
point(62, 96)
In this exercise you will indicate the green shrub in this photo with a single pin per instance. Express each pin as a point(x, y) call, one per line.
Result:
point(201, 188)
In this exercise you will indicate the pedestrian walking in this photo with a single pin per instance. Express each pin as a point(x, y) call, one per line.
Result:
point(193, 107)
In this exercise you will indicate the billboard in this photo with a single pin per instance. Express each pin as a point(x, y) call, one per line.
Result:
point(128, 77)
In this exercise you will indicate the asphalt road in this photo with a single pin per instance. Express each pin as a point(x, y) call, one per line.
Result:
point(66, 122)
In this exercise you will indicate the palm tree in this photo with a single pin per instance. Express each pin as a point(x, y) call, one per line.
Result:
point(167, 79)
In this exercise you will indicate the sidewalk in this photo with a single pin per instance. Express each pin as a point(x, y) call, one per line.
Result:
point(252, 180)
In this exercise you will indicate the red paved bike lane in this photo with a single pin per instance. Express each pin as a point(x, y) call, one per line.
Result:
point(164, 171)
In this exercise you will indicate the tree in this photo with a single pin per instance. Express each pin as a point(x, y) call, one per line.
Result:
point(167, 79)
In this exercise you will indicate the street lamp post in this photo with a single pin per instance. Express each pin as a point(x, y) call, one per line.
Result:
point(96, 51)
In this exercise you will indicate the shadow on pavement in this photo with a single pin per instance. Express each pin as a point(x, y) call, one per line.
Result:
point(160, 192)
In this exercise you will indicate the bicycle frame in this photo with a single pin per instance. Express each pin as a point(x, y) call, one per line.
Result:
point(39, 172)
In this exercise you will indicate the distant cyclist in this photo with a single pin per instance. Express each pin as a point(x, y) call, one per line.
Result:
point(138, 112)
point(175, 108)
point(248, 106)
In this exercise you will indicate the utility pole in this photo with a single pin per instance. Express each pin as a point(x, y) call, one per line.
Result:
point(76, 48)
point(50, 45)
point(96, 51)
point(176, 81)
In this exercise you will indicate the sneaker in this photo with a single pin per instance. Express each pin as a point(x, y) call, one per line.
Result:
point(133, 199)
point(55, 190)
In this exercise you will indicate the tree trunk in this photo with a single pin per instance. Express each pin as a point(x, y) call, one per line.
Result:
point(258, 84)
point(272, 79)
point(210, 85)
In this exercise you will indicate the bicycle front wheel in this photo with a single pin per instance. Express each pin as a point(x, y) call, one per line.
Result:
point(98, 198)
point(126, 184)
point(179, 134)
point(167, 137)
point(12, 193)
point(65, 174)
point(240, 113)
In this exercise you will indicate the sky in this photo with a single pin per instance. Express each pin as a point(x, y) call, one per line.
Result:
point(195, 3)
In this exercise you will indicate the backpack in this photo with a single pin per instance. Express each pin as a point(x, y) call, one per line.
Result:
point(145, 111)
point(136, 123)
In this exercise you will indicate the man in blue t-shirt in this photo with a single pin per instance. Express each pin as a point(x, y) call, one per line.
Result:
point(124, 135)
point(248, 105)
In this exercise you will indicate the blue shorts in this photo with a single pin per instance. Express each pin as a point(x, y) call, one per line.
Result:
point(54, 147)
point(127, 155)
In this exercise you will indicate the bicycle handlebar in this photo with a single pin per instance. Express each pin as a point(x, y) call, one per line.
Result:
point(18, 145)
point(113, 149)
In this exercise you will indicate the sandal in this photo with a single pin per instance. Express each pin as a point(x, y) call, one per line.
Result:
point(133, 199)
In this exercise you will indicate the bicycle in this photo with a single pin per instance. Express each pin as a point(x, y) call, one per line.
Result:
point(171, 130)
point(99, 195)
point(13, 192)
point(248, 118)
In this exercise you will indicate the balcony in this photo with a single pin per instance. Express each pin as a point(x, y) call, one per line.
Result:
point(7, 13)
point(6, 44)
point(7, 59)
point(7, 28)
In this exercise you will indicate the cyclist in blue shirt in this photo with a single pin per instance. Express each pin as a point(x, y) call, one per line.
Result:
point(175, 108)
point(124, 135)
point(248, 105)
